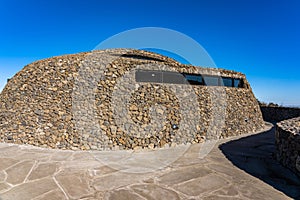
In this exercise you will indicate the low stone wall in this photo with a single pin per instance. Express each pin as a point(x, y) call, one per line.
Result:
point(92, 101)
point(288, 143)
point(277, 114)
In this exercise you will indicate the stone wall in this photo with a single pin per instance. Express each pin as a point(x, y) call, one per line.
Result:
point(91, 101)
point(288, 143)
point(277, 114)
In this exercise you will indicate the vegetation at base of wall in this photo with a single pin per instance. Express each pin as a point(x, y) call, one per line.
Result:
point(271, 104)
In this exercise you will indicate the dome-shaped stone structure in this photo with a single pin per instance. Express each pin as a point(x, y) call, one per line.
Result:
point(124, 99)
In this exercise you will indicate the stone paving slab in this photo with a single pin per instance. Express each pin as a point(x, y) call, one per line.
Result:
point(28, 172)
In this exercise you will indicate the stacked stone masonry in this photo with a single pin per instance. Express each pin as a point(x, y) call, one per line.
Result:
point(277, 114)
point(63, 102)
point(288, 144)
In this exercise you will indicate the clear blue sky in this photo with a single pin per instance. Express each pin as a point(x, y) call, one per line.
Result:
point(257, 37)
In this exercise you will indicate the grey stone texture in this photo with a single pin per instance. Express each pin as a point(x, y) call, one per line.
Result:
point(277, 114)
point(91, 178)
point(90, 101)
point(288, 143)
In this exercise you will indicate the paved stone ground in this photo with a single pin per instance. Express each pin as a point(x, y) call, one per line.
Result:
point(236, 168)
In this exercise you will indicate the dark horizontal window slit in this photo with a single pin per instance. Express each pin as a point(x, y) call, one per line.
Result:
point(155, 76)
point(141, 57)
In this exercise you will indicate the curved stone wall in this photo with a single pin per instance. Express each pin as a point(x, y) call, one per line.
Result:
point(288, 143)
point(277, 114)
point(63, 102)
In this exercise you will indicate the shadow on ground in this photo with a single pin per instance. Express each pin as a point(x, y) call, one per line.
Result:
point(254, 155)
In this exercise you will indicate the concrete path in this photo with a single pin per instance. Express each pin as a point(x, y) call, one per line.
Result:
point(236, 168)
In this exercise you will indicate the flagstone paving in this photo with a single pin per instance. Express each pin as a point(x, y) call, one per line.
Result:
point(28, 172)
